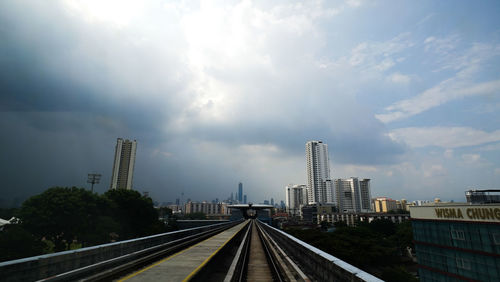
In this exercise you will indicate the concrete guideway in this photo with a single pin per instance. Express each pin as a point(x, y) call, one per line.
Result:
point(258, 267)
point(183, 265)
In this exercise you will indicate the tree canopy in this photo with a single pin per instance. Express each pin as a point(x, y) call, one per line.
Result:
point(64, 215)
point(381, 243)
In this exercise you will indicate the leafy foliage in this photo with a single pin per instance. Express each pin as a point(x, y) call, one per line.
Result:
point(8, 213)
point(380, 242)
point(62, 218)
point(16, 242)
point(134, 213)
point(62, 215)
point(195, 215)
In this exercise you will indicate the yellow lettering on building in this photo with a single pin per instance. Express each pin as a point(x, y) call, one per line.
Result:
point(483, 213)
point(448, 213)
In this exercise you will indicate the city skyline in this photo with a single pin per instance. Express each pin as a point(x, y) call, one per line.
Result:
point(404, 93)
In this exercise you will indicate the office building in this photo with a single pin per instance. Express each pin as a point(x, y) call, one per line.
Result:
point(384, 204)
point(123, 166)
point(353, 195)
point(240, 192)
point(457, 241)
point(295, 198)
point(318, 172)
point(483, 196)
point(244, 199)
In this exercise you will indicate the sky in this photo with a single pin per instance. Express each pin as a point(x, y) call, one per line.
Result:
point(406, 93)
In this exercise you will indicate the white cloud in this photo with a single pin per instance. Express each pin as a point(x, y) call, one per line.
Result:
point(434, 170)
point(158, 152)
point(352, 170)
point(378, 56)
point(354, 3)
point(118, 13)
point(399, 78)
point(471, 158)
point(385, 65)
point(429, 39)
point(459, 86)
point(444, 92)
point(448, 153)
point(490, 147)
point(441, 45)
point(446, 137)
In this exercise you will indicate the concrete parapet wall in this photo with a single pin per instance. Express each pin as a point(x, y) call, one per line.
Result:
point(316, 263)
point(41, 267)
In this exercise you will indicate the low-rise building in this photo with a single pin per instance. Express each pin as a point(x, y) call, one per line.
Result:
point(483, 196)
point(384, 204)
point(296, 197)
point(207, 208)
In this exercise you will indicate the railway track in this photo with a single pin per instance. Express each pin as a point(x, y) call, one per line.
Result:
point(241, 252)
point(259, 258)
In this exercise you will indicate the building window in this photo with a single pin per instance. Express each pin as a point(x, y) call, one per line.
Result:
point(458, 234)
point(496, 238)
point(463, 264)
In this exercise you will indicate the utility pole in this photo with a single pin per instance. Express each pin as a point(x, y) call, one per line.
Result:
point(93, 178)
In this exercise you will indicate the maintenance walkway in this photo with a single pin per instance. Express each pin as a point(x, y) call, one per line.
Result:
point(182, 266)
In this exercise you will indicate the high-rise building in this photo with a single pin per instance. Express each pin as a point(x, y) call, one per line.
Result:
point(296, 197)
point(240, 192)
point(353, 195)
point(123, 166)
point(318, 172)
point(366, 196)
point(244, 199)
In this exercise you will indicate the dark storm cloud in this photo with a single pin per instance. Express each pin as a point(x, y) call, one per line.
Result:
point(69, 88)
point(53, 63)
point(61, 114)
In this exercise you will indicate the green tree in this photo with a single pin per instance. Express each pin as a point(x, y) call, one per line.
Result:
point(403, 236)
point(396, 274)
point(195, 215)
point(383, 226)
point(135, 214)
point(8, 213)
point(16, 242)
point(62, 215)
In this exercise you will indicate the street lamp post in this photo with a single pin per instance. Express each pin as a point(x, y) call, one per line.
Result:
point(93, 178)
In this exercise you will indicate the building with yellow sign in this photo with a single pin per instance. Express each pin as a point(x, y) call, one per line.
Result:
point(457, 241)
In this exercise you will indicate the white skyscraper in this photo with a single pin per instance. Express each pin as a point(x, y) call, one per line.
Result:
point(353, 195)
point(123, 166)
point(318, 172)
point(296, 196)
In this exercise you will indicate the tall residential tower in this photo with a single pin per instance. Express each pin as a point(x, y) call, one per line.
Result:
point(318, 172)
point(123, 166)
